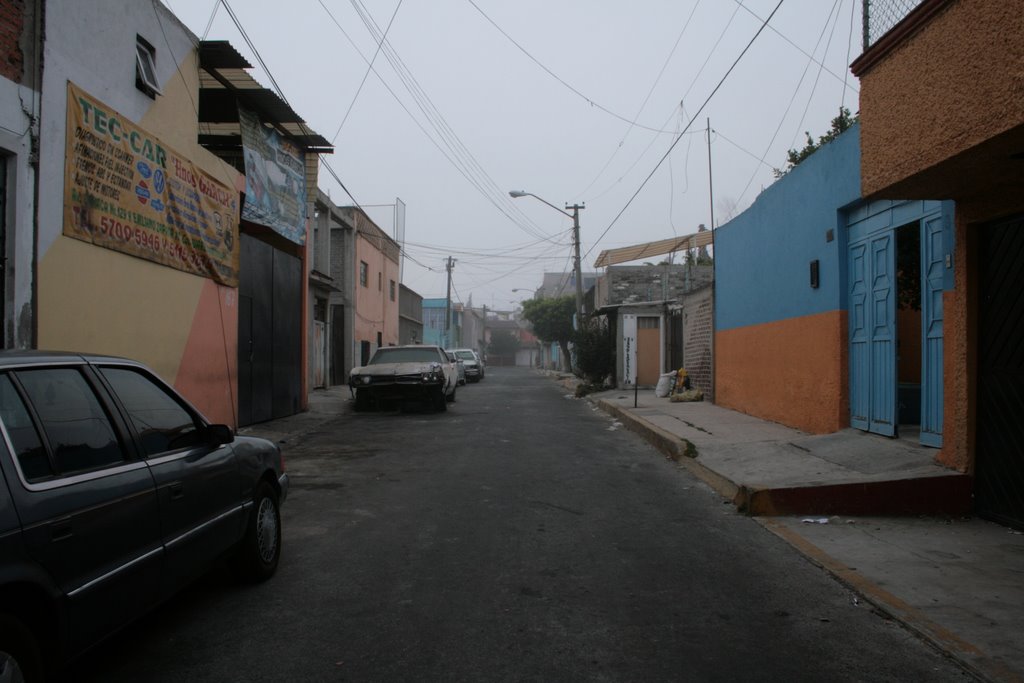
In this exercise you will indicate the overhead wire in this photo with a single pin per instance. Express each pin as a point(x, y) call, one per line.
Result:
point(803, 51)
point(558, 78)
point(442, 126)
point(366, 74)
point(456, 155)
point(792, 98)
point(643, 105)
point(680, 136)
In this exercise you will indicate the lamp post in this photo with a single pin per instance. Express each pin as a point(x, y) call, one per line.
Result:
point(575, 216)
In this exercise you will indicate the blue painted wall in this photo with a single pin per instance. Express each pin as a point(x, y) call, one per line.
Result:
point(763, 256)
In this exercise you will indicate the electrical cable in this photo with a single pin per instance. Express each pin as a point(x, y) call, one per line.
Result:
point(558, 78)
point(643, 104)
point(366, 74)
point(533, 232)
point(792, 99)
point(440, 124)
point(803, 51)
point(680, 136)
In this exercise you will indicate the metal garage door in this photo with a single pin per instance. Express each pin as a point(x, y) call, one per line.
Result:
point(999, 467)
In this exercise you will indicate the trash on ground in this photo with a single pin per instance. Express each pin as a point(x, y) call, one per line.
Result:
point(815, 520)
point(687, 396)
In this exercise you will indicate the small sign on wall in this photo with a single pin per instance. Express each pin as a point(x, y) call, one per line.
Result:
point(629, 349)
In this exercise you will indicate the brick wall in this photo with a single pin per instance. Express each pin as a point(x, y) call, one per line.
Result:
point(12, 23)
point(697, 339)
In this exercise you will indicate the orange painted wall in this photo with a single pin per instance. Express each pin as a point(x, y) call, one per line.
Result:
point(790, 371)
point(209, 355)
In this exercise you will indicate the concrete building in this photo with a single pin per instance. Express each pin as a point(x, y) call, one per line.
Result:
point(144, 247)
point(963, 141)
point(410, 316)
point(377, 263)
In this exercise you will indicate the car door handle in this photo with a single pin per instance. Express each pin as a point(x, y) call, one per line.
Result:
point(60, 530)
point(177, 490)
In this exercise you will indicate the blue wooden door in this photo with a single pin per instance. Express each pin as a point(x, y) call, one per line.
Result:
point(872, 273)
point(933, 272)
point(860, 368)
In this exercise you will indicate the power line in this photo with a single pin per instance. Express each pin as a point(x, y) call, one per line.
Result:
point(558, 78)
point(792, 99)
point(692, 119)
point(366, 74)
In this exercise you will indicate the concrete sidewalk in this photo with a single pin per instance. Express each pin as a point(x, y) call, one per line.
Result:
point(872, 511)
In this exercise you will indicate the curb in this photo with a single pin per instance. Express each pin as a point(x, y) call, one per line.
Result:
point(673, 447)
point(968, 656)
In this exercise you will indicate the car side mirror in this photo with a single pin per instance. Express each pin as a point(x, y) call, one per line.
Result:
point(218, 434)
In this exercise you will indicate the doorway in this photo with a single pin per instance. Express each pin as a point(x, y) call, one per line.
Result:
point(648, 350)
point(897, 269)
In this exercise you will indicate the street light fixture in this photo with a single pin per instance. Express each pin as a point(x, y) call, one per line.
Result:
point(575, 216)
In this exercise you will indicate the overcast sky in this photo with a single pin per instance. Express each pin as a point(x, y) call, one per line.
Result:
point(572, 100)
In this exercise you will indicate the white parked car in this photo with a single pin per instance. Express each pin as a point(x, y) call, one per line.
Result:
point(405, 373)
point(473, 363)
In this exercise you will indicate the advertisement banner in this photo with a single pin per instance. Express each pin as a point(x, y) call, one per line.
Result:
point(275, 179)
point(126, 190)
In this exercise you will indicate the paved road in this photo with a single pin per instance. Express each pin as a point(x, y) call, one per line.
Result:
point(520, 536)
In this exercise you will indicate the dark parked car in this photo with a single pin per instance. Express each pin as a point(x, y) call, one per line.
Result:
point(405, 373)
point(114, 493)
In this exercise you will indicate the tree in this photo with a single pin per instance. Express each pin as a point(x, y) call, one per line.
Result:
point(595, 353)
point(503, 343)
point(840, 124)
point(552, 320)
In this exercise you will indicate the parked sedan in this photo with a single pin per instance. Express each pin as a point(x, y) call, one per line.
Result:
point(472, 362)
point(405, 373)
point(115, 493)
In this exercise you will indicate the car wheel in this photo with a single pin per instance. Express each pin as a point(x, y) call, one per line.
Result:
point(362, 401)
point(258, 553)
point(19, 654)
point(441, 401)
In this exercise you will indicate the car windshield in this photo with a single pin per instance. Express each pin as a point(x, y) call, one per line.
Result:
point(426, 354)
point(465, 355)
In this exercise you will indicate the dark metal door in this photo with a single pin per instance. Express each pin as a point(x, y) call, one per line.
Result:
point(338, 345)
point(269, 333)
point(999, 465)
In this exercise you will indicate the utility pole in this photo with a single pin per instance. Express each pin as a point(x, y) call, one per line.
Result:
point(576, 259)
point(449, 266)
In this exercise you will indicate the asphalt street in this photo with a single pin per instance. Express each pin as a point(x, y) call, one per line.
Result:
point(520, 536)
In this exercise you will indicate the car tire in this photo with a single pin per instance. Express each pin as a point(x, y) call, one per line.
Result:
point(20, 660)
point(441, 401)
point(259, 552)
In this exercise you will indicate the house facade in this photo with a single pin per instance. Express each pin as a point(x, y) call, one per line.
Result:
point(410, 316)
point(144, 246)
point(376, 269)
point(963, 141)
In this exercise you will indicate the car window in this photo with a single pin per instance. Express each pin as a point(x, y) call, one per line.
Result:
point(27, 446)
point(465, 355)
point(161, 422)
point(79, 430)
point(398, 355)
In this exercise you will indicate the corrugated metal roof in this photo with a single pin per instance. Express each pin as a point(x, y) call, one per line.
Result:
point(224, 85)
point(609, 257)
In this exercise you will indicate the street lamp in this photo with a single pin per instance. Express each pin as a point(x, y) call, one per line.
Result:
point(575, 216)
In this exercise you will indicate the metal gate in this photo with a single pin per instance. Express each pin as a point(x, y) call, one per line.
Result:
point(269, 332)
point(999, 464)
